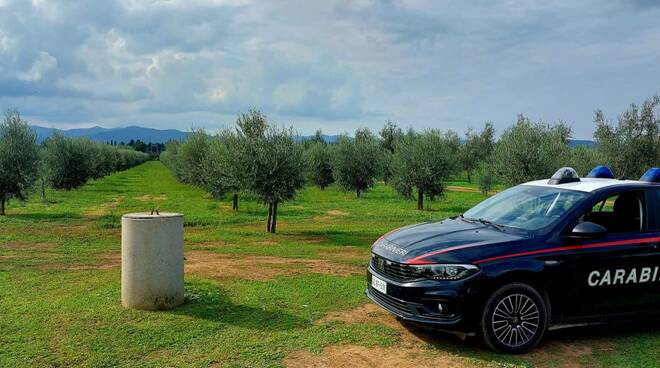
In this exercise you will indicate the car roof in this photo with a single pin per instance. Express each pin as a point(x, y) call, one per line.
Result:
point(588, 185)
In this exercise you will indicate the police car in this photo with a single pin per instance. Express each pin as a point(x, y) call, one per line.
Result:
point(540, 256)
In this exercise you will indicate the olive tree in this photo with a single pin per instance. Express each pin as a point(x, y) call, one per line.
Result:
point(357, 162)
point(528, 151)
point(43, 172)
point(19, 158)
point(275, 172)
point(422, 163)
point(318, 161)
point(169, 156)
point(190, 157)
point(252, 125)
point(223, 167)
point(390, 135)
point(476, 148)
point(583, 159)
point(485, 177)
point(633, 144)
point(317, 138)
point(68, 161)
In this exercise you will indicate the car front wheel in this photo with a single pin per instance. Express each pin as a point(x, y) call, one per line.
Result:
point(514, 319)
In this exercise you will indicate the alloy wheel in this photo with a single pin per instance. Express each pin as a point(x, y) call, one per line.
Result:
point(515, 320)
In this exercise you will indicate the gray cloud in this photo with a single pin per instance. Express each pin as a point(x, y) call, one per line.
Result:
point(333, 65)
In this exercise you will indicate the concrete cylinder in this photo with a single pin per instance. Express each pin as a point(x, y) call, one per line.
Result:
point(152, 260)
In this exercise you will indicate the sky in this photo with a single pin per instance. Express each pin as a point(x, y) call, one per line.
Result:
point(329, 65)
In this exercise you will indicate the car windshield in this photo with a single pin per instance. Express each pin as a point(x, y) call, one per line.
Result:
point(525, 207)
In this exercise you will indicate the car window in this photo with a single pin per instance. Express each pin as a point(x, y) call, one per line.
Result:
point(606, 205)
point(529, 208)
point(619, 213)
point(654, 198)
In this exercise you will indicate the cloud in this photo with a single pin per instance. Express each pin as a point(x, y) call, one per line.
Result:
point(41, 65)
point(330, 64)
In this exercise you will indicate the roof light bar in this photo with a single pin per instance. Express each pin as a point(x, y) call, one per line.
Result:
point(564, 175)
point(601, 172)
point(651, 175)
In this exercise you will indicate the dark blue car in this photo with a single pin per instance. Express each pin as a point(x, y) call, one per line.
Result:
point(539, 256)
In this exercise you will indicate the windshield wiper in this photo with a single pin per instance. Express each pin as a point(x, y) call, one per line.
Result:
point(482, 220)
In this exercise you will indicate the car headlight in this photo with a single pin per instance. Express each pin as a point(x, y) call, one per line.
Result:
point(446, 271)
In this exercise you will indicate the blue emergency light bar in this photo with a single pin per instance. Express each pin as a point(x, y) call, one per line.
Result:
point(601, 172)
point(651, 175)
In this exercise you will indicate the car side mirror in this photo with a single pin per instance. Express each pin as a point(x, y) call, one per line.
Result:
point(587, 230)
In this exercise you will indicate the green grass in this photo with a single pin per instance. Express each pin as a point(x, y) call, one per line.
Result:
point(59, 304)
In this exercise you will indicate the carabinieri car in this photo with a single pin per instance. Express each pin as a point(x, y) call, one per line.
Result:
point(542, 255)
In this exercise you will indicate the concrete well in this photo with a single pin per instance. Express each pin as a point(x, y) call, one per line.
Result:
point(152, 260)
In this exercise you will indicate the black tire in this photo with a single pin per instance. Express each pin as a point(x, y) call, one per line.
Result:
point(514, 319)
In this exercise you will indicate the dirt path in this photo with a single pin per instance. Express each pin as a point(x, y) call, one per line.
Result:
point(419, 348)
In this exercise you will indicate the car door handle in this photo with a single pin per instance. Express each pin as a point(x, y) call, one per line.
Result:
point(552, 263)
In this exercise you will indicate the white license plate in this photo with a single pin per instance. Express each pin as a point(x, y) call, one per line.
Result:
point(379, 284)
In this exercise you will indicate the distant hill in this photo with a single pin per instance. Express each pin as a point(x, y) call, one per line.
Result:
point(147, 135)
point(326, 138)
point(98, 133)
point(581, 142)
point(115, 134)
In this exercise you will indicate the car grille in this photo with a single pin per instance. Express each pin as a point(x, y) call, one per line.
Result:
point(397, 271)
point(392, 303)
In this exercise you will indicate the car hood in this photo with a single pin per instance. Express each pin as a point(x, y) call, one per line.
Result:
point(451, 240)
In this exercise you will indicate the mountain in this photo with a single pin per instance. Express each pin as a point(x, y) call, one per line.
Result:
point(115, 134)
point(326, 138)
point(581, 142)
point(147, 135)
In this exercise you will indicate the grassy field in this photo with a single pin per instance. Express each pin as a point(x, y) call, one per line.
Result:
point(255, 299)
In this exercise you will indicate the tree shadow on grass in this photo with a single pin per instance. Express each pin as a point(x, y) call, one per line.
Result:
point(341, 238)
point(42, 216)
point(211, 303)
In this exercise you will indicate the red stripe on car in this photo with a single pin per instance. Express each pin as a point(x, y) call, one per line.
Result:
point(421, 259)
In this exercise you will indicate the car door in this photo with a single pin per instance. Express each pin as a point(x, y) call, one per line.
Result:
point(617, 273)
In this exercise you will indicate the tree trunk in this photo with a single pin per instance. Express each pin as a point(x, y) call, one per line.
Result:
point(468, 177)
point(235, 204)
point(43, 190)
point(358, 193)
point(273, 225)
point(420, 200)
point(270, 217)
point(2, 206)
